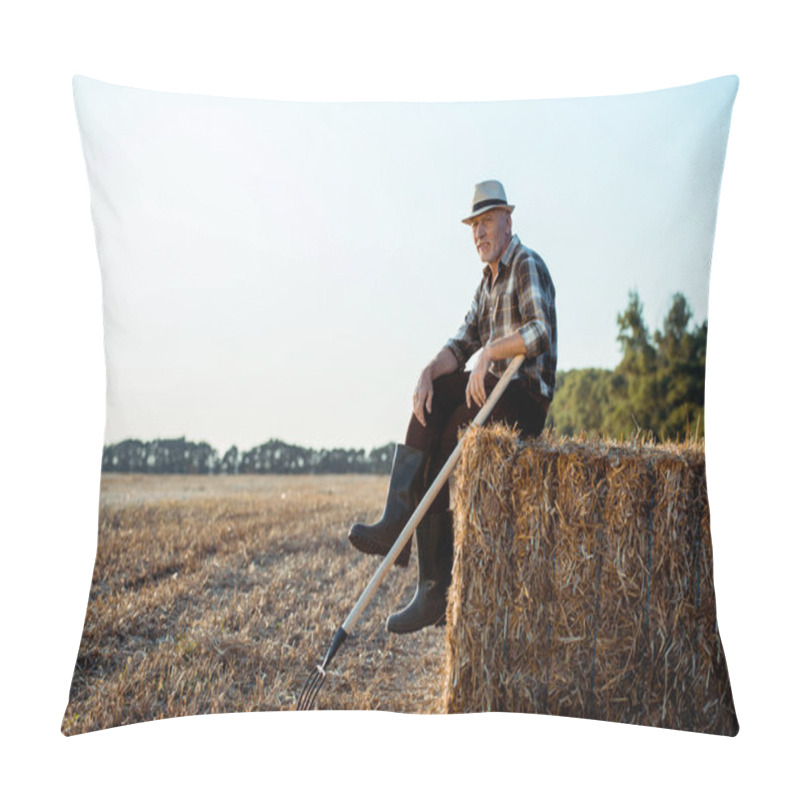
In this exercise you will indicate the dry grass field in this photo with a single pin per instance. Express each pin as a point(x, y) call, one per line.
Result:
point(220, 593)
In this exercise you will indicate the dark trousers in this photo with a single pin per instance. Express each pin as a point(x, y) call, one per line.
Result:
point(449, 414)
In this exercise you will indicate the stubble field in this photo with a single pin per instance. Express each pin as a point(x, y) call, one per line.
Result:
point(220, 593)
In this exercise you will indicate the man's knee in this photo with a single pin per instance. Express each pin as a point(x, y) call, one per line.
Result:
point(450, 379)
point(450, 389)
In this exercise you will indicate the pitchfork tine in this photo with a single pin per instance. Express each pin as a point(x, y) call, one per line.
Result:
point(310, 689)
point(315, 680)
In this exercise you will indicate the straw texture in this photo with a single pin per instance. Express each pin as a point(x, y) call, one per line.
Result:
point(583, 584)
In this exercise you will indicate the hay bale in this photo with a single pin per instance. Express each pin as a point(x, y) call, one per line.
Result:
point(582, 584)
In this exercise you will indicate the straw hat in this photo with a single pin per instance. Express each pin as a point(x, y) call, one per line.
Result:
point(488, 195)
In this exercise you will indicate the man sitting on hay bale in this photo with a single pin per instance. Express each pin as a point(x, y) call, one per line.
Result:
point(513, 313)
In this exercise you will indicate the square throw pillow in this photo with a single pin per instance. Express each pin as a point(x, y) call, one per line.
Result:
point(464, 339)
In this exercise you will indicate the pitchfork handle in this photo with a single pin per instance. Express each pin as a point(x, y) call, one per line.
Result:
point(428, 499)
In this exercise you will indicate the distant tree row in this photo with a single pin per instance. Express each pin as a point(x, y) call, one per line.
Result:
point(274, 456)
point(658, 386)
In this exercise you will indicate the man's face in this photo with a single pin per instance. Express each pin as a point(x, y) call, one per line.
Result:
point(491, 232)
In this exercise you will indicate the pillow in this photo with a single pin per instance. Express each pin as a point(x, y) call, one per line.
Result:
point(275, 275)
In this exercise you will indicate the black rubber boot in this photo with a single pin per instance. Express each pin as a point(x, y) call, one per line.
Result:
point(435, 555)
point(405, 492)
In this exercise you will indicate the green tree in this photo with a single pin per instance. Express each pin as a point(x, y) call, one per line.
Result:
point(681, 371)
point(658, 386)
point(634, 395)
point(582, 396)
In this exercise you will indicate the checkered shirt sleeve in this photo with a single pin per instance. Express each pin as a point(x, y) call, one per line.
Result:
point(467, 339)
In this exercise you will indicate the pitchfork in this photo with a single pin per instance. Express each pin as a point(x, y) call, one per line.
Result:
point(314, 682)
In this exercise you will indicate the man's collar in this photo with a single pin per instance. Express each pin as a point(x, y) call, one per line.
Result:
point(505, 258)
point(512, 245)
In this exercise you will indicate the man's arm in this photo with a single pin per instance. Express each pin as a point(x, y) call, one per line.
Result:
point(467, 339)
point(507, 347)
point(536, 298)
point(453, 356)
point(444, 363)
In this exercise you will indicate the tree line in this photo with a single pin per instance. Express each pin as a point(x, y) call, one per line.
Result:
point(658, 386)
point(272, 457)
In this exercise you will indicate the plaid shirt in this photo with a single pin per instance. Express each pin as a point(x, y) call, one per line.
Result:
point(522, 300)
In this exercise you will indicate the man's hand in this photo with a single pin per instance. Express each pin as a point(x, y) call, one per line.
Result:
point(476, 388)
point(423, 395)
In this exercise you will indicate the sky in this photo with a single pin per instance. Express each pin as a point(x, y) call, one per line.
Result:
point(278, 269)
